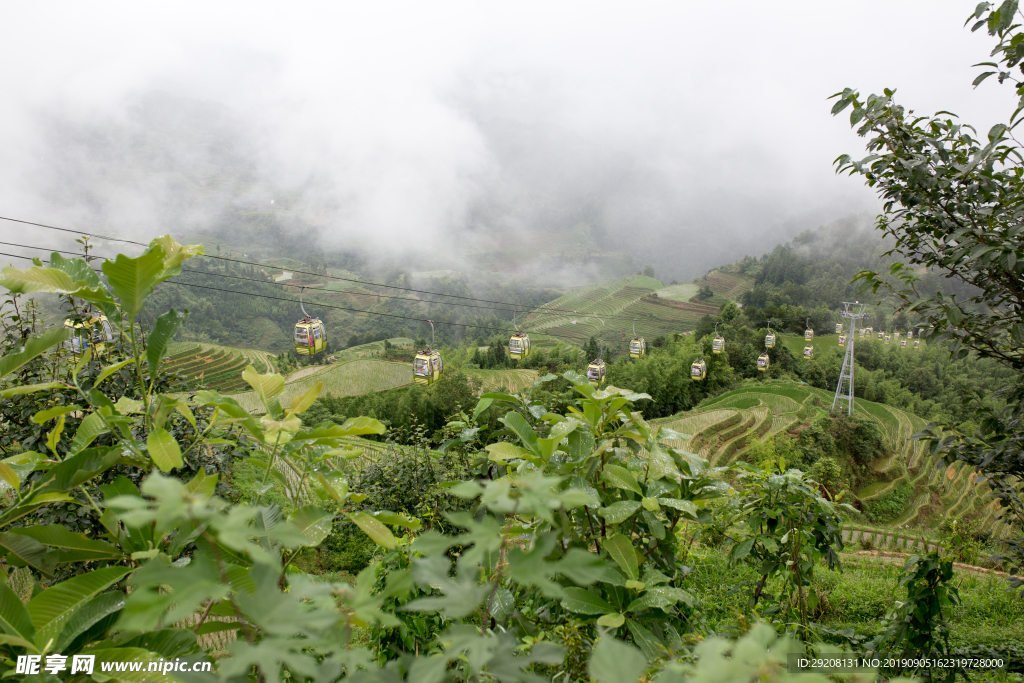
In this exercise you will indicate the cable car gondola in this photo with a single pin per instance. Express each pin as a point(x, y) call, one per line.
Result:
point(519, 344)
point(896, 334)
point(808, 333)
point(84, 334)
point(427, 366)
point(888, 339)
point(903, 343)
point(881, 335)
point(699, 369)
point(842, 340)
point(718, 343)
point(763, 361)
point(637, 345)
point(809, 351)
point(910, 334)
point(769, 339)
point(310, 336)
point(839, 328)
point(917, 343)
point(596, 372)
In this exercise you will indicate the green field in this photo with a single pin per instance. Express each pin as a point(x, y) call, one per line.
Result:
point(606, 312)
point(509, 381)
point(349, 378)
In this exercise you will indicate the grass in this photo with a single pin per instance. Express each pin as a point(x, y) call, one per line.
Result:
point(683, 292)
point(509, 381)
point(991, 613)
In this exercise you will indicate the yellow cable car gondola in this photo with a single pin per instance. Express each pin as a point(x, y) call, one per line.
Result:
point(842, 340)
point(84, 334)
point(699, 369)
point(903, 343)
point(310, 336)
point(917, 343)
point(519, 344)
point(596, 372)
point(881, 335)
point(809, 351)
point(896, 334)
point(839, 328)
point(808, 333)
point(888, 339)
point(637, 345)
point(763, 361)
point(427, 366)
point(718, 344)
point(769, 339)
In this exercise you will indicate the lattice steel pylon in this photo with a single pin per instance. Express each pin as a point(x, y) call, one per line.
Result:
point(844, 389)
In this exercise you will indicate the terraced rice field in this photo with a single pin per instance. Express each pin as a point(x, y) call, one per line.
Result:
point(606, 312)
point(731, 285)
point(373, 349)
point(344, 379)
point(508, 381)
point(213, 366)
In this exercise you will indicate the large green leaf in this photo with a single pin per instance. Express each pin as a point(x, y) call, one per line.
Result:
point(156, 343)
point(621, 478)
point(620, 549)
point(56, 536)
point(14, 619)
point(164, 450)
point(175, 253)
point(92, 426)
point(23, 389)
point(613, 661)
point(51, 281)
point(582, 601)
point(266, 386)
point(44, 416)
point(34, 347)
point(313, 522)
point(619, 511)
point(380, 534)
point(28, 551)
point(648, 642)
point(132, 279)
point(86, 616)
point(521, 428)
point(51, 609)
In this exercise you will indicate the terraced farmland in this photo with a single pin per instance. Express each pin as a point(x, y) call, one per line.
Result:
point(606, 312)
point(344, 379)
point(762, 409)
point(509, 381)
point(730, 285)
point(213, 366)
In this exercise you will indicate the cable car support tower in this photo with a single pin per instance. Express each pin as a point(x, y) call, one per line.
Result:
point(844, 389)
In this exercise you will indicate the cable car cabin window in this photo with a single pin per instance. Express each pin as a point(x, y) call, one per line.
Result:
point(514, 346)
point(594, 374)
point(437, 363)
point(634, 347)
point(300, 334)
point(316, 332)
point(421, 367)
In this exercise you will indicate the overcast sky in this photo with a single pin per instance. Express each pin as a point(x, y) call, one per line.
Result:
point(675, 123)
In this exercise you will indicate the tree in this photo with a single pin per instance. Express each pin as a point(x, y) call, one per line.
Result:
point(954, 203)
point(648, 271)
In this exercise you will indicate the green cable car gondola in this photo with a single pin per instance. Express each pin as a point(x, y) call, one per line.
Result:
point(769, 339)
point(596, 372)
point(842, 340)
point(808, 333)
point(519, 344)
point(809, 351)
point(85, 334)
point(718, 344)
point(427, 366)
point(763, 361)
point(310, 336)
point(637, 345)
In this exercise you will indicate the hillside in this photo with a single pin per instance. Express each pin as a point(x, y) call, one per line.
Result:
point(908, 491)
point(607, 311)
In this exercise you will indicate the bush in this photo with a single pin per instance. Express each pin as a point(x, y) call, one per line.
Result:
point(890, 505)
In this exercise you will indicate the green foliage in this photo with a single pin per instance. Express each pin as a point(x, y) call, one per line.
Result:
point(889, 505)
point(952, 206)
point(788, 529)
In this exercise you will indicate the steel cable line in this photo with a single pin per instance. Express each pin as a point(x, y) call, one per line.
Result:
point(334, 277)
